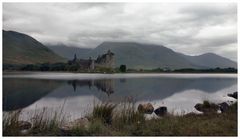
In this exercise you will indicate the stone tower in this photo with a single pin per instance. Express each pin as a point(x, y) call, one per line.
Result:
point(109, 59)
point(92, 64)
point(75, 58)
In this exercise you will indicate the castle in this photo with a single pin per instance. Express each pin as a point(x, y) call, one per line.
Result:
point(106, 61)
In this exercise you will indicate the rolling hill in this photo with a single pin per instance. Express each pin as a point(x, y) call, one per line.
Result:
point(211, 60)
point(19, 48)
point(148, 56)
point(145, 56)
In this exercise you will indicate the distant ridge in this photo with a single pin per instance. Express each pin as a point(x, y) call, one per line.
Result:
point(137, 55)
point(148, 56)
point(211, 60)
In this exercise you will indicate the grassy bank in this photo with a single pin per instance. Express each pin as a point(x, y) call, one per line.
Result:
point(107, 120)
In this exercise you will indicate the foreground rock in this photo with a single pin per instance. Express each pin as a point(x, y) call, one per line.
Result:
point(146, 108)
point(24, 125)
point(224, 107)
point(233, 95)
point(161, 111)
point(81, 122)
point(207, 107)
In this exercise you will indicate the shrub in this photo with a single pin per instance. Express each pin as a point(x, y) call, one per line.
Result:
point(123, 68)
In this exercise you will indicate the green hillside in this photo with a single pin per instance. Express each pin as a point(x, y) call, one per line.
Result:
point(19, 48)
point(146, 56)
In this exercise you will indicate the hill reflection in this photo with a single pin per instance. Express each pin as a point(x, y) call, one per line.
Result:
point(20, 93)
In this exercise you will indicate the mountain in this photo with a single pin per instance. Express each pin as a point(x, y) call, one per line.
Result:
point(69, 51)
point(19, 48)
point(148, 56)
point(211, 60)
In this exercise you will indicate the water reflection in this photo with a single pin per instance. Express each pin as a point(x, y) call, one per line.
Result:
point(105, 85)
point(20, 93)
point(176, 93)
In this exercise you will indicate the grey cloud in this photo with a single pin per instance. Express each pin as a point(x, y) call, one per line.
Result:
point(185, 28)
point(222, 41)
point(210, 9)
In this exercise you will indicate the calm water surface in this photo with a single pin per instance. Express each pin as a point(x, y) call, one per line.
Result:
point(76, 94)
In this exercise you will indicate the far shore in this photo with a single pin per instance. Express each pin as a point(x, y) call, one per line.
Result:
point(10, 71)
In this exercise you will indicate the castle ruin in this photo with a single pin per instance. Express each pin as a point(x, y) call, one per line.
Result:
point(103, 61)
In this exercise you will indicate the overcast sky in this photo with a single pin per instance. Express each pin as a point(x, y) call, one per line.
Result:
point(191, 28)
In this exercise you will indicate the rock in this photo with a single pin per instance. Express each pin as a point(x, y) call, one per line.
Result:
point(161, 111)
point(223, 107)
point(146, 108)
point(199, 107)
point(81, 122)
point(233, 95)
point(24, 125)
point(207, 107)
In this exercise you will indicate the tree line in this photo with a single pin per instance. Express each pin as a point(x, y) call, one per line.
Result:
point(121, 69)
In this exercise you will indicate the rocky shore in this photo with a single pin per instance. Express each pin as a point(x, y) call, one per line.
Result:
point(104, 114)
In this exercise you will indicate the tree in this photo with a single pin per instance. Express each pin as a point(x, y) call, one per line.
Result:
point(123, 68)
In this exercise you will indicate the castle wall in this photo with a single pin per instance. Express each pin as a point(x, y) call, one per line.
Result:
point(106, 60)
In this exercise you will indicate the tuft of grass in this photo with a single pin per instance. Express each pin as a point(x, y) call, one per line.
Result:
point(11, 124)
point(98, 127)
point(128, 115)
point(104, 112)
point(233, 108)
point(42, 123)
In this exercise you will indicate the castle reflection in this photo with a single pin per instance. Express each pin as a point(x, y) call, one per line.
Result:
point(105, 85)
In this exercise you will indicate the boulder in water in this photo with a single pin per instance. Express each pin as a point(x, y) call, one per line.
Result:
point(146, 108)
point(161, 111)
point(223, 107)
point(233, 95)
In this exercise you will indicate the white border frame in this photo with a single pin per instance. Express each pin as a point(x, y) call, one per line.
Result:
point(129, 1)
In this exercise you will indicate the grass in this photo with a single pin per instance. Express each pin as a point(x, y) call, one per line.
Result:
point(103, 112)
point(109, 120)
point(40, 121)
point(11, 124)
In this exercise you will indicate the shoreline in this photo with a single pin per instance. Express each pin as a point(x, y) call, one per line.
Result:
point(10, 71)
point(104, 121)
point(97, 76)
